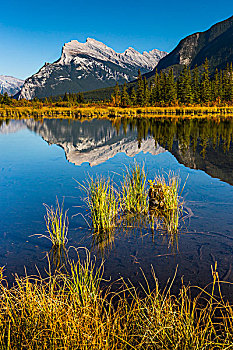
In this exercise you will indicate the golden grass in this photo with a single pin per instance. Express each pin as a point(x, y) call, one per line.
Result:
point(71, 311)
point(105, 111)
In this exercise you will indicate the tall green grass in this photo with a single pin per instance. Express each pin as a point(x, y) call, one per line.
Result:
point(56, 221)
point(102, 201)
point(133, 190)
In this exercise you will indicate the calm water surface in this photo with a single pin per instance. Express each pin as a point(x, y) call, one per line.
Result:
point(42, 160)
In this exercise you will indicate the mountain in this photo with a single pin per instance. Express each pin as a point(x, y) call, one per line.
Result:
point(215, 44)
point(88, 66)
point(10, 85)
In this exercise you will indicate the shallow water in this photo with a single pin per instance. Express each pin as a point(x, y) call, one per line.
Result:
point(42, 160)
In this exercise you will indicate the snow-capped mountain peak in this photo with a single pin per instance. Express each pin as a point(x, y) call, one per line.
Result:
point(88, 66)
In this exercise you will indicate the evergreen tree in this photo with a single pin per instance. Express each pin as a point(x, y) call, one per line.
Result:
point(146, 93)
point(65, 98)
point(205, 83)
point(140, 90)
point(196, 85)
point(215, 86)
point(133, 97)
point(154, 93)
point(184, 88)
point(124, 96)
point(171, 93)
point(117, 95)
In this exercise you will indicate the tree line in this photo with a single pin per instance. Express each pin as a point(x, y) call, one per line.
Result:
point(189, 88)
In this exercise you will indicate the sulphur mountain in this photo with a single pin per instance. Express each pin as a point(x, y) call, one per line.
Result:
point(88, 66)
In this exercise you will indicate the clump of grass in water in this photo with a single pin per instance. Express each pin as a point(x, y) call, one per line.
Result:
point(133, 192)
point(102, 201)
point(57, 224)
point(165, 202)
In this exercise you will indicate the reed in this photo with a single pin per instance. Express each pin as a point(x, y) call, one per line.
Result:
point(102, 201)
point(133, 190)
point(72, 312)
point(57, 224)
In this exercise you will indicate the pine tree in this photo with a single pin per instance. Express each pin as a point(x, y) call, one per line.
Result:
point(171, 93)
point(146, 93)
point(65, 98)
point(140, 90)
point(133, 97)
point(185, 86)
point(196, 85)
point(162, 87)
point(215, 86)
point(205, 83)
point(117, 95)
point(154, 89)
point(124, 96)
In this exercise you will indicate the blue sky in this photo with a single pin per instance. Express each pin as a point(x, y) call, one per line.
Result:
point(33, 32)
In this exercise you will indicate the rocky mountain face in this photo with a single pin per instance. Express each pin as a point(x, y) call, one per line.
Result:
point(10, 85)
point(215, 44)
point(88, 66)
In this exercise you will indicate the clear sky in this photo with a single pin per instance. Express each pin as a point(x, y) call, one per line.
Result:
point(33, 32)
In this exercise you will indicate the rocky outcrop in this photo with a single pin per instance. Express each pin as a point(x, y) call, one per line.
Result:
point(215, 44)
point(88, 66)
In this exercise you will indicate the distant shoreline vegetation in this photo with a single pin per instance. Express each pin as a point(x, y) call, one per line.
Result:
point(107, 112)
point(189, 89)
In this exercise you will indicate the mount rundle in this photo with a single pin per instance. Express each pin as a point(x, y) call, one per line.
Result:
point(88, 66)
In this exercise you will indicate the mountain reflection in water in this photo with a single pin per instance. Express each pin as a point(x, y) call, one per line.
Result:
point(33, 173)
point(204, 144)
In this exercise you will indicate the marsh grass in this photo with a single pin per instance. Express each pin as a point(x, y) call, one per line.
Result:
point(133, 190)
point(56, 221)
point(84, 279)
point(165, 204)
point(103, 202)
point(71, 311)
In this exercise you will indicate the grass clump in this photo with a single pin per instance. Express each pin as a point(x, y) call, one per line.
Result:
point(165, 202)
point(84, 280)
point(57, 224)
point(102, 201)
point(133, 191)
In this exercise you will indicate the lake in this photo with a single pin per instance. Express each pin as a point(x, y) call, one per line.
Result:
point(41, 160)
